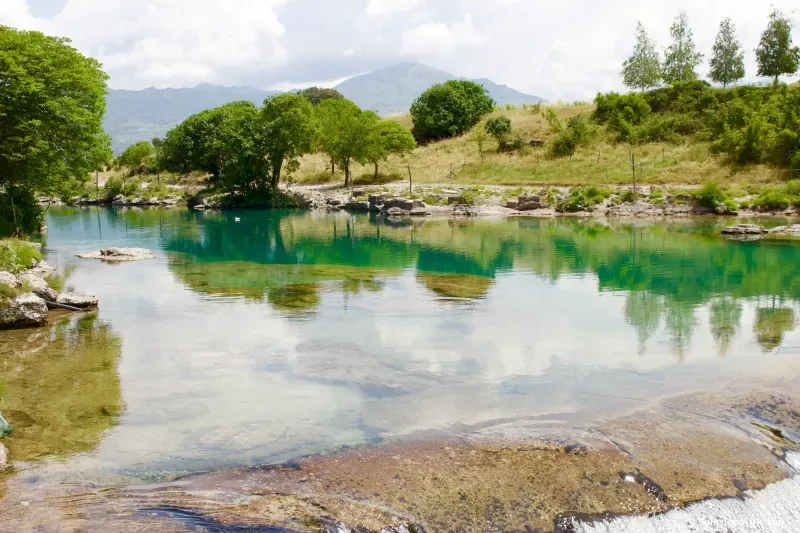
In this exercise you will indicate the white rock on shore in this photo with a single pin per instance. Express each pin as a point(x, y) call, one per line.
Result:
point(38, 286)
point(744, 229)
point(7, 278)
point(119, 255)
point(25, 310)
point(78, 299)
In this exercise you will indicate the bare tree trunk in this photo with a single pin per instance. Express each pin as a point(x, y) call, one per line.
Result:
point(333, 166)
point(376, 171)
point(347, 172)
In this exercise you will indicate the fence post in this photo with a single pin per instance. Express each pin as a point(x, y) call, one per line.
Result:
point(633, 166)
point(410, 192)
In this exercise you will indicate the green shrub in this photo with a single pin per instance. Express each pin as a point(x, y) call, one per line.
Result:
point(577, 133)
point(500, 129)
point(773, 200)
point(710, 195)
point(116, 186)
point(449, 109)
point(612, 108)
point(583, 199)
point(627, 196)
point(16, 255)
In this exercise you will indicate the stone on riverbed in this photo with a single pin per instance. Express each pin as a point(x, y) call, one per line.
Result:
point(356, 206)
point(78, 299)
point(119, 255)
point(401, 203)
point(23, 311)
point(744, 229)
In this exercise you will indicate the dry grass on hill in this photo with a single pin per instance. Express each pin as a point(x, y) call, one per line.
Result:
point(602, 162)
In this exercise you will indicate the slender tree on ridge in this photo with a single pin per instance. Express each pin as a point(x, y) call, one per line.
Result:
point(775, 54)
point(642, 70)
point(681, 58)
point(727, 56)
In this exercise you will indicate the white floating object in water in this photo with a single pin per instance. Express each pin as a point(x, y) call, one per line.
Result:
point(237, 219)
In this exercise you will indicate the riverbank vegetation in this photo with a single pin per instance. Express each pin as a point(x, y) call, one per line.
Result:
point(680, 131)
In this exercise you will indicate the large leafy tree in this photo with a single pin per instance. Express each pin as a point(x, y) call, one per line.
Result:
point(135, 155)
point(227, 142)
point(52, 102)
point(449, 109)
point(316, 95)
point(345, 132)
point(727, 56)
point(681, 58)
point(388, 138)
point(776, 54)
point(289, 132)
point(642, 70)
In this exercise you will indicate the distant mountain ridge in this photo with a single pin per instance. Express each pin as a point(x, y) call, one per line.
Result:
point(134, 116)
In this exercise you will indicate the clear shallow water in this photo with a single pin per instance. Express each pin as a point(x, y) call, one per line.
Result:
point(293, 333)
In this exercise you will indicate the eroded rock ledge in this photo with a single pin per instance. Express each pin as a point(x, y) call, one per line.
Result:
point(119, 255)
point(684, 450)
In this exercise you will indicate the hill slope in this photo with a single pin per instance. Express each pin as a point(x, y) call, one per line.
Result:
point(392, 89)
point(134, 116)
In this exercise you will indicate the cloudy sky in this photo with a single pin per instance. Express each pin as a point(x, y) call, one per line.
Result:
point(559, 50)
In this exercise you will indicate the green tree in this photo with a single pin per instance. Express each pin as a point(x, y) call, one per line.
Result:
point(500, 129)
point(681, 57)
point(226, 142)
point(316, 95)
point(449, 109)
point(52, 102)
point(775, 54)
point(157, 144)
point(135, 155)
point(479, 137)
point(345, 132)
point(388, 138)
point(727, 56)
point(289, 129)
point(642, 70)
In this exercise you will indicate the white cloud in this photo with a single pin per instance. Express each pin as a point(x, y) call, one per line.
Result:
point(167, 42)
point(439, 39)
point(376, 8)
point(565, 50)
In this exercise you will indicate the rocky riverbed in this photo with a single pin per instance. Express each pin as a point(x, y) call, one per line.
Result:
point(505, 476)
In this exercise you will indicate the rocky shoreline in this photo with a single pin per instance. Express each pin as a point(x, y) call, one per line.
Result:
point(506, 476)
point(34, 297)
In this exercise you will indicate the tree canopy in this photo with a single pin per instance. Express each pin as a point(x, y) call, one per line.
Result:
point(681, 58)
point(388, 138)
point(289, 131)
point(727, 57)
point(135, 155)
point(345, 132)
point(52, 102)
point(776, 54)
point(642, 70)
point(315, 95)
point(449, 109)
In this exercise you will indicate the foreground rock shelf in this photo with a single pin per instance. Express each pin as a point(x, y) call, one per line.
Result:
point(119, 255)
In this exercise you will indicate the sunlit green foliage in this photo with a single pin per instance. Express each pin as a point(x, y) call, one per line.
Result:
point(17, 255)
point(643, 69)
point(776, 54)
point(449, 109)
point(52, 102)
point(135, 155)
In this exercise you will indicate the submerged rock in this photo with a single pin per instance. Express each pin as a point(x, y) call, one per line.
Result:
point(25, 310)
point(78, 299)
point(119, 255)
point(744, 229)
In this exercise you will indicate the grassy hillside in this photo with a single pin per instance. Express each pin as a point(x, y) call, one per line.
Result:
point(603, 161)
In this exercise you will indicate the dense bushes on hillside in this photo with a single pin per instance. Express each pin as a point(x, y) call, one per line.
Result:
point(449, 109)
point(749, 124)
